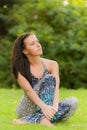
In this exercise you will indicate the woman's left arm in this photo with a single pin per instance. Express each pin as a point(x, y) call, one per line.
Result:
point(55, 71)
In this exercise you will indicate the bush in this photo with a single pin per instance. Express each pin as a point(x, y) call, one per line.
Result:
point(62, 31)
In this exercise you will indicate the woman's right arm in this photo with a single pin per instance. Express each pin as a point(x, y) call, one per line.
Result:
point(48, 111)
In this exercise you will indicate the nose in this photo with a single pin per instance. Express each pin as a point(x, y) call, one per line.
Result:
point(38, 44)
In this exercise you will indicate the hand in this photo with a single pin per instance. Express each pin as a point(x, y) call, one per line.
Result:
point(56, 107)
point(48, 111)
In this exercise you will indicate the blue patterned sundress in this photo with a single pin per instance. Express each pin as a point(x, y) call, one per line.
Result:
point(46, 93)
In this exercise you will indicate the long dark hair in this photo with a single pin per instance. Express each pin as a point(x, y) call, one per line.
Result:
point(20, 62)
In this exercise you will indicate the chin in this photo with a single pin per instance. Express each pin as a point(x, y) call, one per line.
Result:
point(40, 53)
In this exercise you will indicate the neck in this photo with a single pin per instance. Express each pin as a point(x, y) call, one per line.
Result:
point(34, 60)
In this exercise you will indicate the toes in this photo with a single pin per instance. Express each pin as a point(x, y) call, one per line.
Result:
point(14, 121)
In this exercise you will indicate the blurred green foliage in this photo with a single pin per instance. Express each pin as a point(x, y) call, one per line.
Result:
point(61, 27)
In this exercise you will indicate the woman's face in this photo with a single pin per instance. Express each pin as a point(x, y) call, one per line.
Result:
point(32, 46)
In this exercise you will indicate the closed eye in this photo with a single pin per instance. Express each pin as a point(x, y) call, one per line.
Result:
point(34, 42)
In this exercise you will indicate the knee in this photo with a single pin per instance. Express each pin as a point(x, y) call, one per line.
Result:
point(73, 101)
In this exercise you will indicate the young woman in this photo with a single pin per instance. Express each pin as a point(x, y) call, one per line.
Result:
point(39, 79)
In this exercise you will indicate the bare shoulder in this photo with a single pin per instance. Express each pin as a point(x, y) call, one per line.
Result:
point(50, 64)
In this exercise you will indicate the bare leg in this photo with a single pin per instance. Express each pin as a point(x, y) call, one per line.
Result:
point(46, 122)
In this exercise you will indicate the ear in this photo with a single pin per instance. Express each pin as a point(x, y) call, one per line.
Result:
point(25, 52)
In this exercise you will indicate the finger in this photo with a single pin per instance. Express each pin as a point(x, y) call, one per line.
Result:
point(49, 118)
point(50, 115)
point(54, 109)
point(47, 114)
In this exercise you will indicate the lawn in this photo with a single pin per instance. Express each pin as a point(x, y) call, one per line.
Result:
point(10, 97)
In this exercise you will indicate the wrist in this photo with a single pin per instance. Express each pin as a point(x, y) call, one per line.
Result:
point(55, 106)
point(42, 105)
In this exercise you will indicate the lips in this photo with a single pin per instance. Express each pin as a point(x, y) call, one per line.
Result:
point(40, 49)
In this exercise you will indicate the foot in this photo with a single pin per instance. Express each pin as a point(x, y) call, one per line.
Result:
point(16, 122)
point(46, 122)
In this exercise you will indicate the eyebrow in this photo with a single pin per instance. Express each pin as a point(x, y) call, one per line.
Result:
point(35, 40)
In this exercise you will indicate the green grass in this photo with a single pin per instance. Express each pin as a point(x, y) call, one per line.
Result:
point(10, 97)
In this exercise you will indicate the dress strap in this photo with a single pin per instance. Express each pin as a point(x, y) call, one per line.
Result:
point(44, 66)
